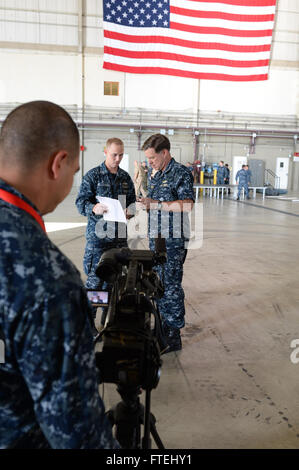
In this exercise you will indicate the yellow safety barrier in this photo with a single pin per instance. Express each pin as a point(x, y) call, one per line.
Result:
point(215, 177)
point(201, 179)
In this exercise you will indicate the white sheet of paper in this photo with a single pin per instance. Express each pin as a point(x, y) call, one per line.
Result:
point(115, 211)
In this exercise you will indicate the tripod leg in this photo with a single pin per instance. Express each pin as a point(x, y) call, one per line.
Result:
point(154, 433)
point(149, 425)
point(146, 442)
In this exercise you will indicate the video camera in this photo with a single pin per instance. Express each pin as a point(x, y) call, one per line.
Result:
point(132, 338)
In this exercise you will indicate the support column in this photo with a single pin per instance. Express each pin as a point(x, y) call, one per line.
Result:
point(294, 167)
point(81, 73)
point(196, 146)
point(198, 102)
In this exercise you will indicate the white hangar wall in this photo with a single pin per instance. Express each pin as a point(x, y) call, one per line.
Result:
point(277, 95)
point(53, 50)
point(25, 75)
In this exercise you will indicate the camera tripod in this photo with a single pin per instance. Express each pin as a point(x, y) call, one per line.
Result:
point(128, 415)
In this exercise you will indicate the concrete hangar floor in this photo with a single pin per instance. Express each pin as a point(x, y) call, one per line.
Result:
point(235, 383)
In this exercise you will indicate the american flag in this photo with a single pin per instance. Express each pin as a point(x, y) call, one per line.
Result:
point(203, 39)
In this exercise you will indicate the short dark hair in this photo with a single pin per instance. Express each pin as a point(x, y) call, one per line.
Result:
point(34, 131)
point(158, 142)
point(243, 166)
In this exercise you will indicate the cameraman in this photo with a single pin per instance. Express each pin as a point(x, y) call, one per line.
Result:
point(48, 383)
point(170, 191)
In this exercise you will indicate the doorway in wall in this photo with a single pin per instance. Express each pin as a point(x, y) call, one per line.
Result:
point(237, 165)
point(282, 171)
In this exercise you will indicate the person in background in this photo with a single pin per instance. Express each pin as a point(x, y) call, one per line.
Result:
point(144, 164)
point(140, 179)
point(189, 165)
point(197, 170)
point(242, 179)
point(221, 173)
point(249, 174)
point(227, 176)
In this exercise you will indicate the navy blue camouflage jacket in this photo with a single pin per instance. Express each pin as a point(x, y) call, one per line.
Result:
point(98, 182)
point(243, 176)
point(222, 172)
point(48, 381)
point(172, 184)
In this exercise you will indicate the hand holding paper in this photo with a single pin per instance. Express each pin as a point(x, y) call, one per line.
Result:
point(99, 209)
point(115, 212)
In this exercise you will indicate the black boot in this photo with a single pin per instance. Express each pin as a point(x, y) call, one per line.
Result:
point(173, 338)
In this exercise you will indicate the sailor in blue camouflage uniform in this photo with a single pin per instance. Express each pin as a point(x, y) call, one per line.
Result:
point(249, 174)
point(170, 198)
point(48, 382)
point(106, 180)
point(243, 176)
point(221, 173)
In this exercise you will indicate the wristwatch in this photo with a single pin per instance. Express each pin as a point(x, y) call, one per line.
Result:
point(159, 205)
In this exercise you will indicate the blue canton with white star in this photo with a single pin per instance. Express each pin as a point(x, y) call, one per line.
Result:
point(138, 13)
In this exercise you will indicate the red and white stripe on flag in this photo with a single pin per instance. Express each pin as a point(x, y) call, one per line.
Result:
point(202, 39)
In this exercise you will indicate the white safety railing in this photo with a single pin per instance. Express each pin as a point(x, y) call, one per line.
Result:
point(218, 191)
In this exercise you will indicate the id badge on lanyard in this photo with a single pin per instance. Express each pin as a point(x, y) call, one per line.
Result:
point(18, 202)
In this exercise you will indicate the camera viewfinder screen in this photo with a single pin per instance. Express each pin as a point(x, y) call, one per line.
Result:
point(98, 297)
